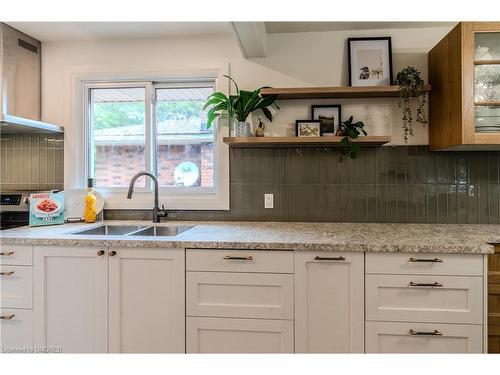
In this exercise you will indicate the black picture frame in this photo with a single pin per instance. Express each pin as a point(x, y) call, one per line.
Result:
point(298, 122)
point(375, 38)
point(324, 130)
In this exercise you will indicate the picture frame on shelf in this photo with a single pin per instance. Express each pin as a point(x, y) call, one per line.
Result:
point(370, 61)
point(308, 128)
point(329, 115)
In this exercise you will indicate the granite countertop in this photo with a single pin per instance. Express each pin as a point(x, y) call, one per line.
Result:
point(426, 238)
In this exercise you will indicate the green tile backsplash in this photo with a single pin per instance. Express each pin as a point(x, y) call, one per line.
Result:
point(31, 161)
point(385, 184)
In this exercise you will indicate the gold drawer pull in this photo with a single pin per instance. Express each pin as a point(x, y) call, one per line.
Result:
point(426, 260)
point(9, 254)
point(7, 273)
point(229, 257)
point(435, 284)
point(7, 317)
point(330, 258)
point(420, 333)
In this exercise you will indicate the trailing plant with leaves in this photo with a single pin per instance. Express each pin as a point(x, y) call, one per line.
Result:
point(411, 86)
point(238, 106)
point(352, 131)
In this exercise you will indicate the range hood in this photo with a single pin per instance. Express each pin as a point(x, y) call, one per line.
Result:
point(20, 84)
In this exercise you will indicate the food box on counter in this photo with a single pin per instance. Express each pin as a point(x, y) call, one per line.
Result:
point(46, 209)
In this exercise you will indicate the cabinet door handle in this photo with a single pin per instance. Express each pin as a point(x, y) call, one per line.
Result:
point(100, 252)
point(8, 254)
point(7, 317)
point(423, 333)
point(7, 273)
point(230, 257)
point(330, 258)
point(426, 260)
point(112, 253)
point(435, 284)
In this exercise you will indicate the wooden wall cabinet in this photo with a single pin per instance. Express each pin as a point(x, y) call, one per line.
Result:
point(464, 104)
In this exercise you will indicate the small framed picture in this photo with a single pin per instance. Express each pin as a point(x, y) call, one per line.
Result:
point(370, 61)
point(308, 128)
point(329, 115)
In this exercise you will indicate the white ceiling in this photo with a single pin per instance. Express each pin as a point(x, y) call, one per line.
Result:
point(66, 31)
point(298, 27)
point(74, 31)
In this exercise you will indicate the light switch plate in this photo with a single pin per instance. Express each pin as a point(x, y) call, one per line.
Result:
point(268, 200)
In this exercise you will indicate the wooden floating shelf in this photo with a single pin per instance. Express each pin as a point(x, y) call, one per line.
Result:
point(335, 92)
point(486, 62)
point(301, 141)
point(488, 103)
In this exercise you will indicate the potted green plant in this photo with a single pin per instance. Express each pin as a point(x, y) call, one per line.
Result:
point(238, 107)
point(350, 130)
point(411, 86)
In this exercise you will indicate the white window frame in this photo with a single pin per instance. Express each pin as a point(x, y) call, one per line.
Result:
point(187, 191)
point(88, 137)
point(216, 198)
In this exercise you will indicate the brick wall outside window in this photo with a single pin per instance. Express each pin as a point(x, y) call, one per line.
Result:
point(115, 165)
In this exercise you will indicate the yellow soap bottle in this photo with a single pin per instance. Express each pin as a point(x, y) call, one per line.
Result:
point(90, 203)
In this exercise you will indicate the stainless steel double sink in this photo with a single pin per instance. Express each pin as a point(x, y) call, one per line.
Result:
point(135, 230)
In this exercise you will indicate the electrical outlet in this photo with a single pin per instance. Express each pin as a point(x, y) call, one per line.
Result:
point(268, 200)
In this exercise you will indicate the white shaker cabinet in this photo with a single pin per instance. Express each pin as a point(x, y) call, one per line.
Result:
point(16, 298)
point(410, 337)
point(95, 300)
point(229, 335)
point(16, 330)
point(239, 301)
point(425, 303)
point(146, 301)
point(71, 298)
point(329, 302)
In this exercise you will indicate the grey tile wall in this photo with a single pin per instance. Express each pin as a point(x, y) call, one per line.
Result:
point(31, 161)
point(385, 184)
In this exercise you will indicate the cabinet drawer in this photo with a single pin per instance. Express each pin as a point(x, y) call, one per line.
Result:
point(17, 287)
point(424, 264)
point(15, 255)
point(223, 335)
point(239, 261)
point(383, 337)
point(239, 295)
point(454, 299)
point(16, 327)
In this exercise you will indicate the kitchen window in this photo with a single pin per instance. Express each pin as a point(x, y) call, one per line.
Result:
point(154, 126)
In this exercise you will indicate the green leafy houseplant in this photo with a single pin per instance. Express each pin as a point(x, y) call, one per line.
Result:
point(238, 106)
point(352, 131)
point(411, 86)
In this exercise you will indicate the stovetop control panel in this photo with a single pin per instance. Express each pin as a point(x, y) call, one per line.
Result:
point(10, 199)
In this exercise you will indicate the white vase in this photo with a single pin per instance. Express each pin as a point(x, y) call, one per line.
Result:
point(241, 129)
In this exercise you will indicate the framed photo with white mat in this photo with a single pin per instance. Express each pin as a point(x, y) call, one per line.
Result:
point(370, 61)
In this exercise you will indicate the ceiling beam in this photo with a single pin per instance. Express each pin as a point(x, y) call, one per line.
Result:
point(251, 38)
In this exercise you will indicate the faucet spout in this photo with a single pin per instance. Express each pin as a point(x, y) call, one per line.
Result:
point(156, 209)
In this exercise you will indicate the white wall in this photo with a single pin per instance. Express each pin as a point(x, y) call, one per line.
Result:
point(296, 59)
